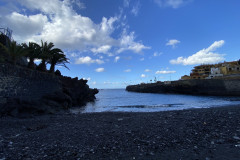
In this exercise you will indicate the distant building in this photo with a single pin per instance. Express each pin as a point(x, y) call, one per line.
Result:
point(215, 72)
point(185, 77)
point(201, 72)
point(228, 68)
point(219, 70)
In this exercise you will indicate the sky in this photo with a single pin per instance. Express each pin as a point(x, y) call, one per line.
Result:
point(115, 43)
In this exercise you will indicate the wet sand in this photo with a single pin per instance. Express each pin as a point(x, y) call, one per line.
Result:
point(206, 134)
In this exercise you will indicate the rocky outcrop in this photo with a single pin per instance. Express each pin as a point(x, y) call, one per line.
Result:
point(25, 92)
point(217, 87)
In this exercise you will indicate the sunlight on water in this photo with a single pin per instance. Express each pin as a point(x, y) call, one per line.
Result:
point(119, 100)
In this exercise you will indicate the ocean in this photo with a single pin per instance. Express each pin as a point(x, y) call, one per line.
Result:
point(120, 100)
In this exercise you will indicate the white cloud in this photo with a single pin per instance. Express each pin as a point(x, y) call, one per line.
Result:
point(94, 83)
point(102, 49)
point(99, 70)
point(147, 70)
point(141, 59)
point(56, 21)
point(156, 54)
point(116, 58)
point(79, 4)
point(204, 56)
point(87, 78)
point(127, 43)
point(135, 9)
point(171, 3)
point(88, 60)
point(165, 72)
point(143, 75)
point(172, 42)
point(128, 70)
point(25, 26)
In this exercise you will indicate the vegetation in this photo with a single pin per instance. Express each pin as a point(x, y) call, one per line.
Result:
point(12, 52)
point(33, 53)
point(57, 58)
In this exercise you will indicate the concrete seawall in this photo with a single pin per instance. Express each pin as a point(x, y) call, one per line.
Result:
point(218, 87)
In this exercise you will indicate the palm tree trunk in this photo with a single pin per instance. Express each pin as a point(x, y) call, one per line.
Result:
point(31, 63)
point(42, 66)
point(52, 68)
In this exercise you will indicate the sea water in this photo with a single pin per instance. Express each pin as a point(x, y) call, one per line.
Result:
point(120, 100)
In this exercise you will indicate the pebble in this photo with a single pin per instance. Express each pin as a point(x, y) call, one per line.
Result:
point(236, 137)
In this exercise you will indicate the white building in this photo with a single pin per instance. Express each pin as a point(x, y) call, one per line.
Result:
point(215, 72)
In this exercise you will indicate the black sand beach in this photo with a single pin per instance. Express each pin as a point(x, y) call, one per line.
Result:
point(206, 134)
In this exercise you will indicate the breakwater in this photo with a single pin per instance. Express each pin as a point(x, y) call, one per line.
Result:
point(216, 87)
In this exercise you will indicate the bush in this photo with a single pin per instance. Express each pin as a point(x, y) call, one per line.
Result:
point(58, 73)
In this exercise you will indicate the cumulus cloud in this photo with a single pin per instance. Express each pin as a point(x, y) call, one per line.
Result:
point(165, 72)
point(147, 70)
point(172, 42)
point(116, 58)
point(88, 60)
point(99, 70)
point(128, 70)
point(127, 42)
point(56, 21)
point(26, 26)
point(204, 56)
point(143, 75)
point(171, 3)
point(102, 49)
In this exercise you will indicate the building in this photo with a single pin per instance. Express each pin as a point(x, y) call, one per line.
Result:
point(185, 77)
point(201, 71)
point(214, 71)
point(229, 68)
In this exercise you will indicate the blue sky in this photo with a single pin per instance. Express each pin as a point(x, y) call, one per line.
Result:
point(114, 43)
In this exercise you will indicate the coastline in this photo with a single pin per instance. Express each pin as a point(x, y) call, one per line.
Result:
point(206, 133)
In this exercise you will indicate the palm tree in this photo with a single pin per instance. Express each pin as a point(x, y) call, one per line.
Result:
point(44, 54)
point(33, 53)
point(57, 58)
point(14, 50)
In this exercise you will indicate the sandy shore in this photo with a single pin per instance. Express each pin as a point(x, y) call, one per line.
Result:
point(190, 134)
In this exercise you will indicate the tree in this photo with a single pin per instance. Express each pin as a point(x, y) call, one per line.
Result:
point(14, 50)
point(57, 58)
point(44, 54)
point(34, 51)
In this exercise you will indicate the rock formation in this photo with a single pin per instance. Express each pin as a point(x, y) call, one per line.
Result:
point(25, 92)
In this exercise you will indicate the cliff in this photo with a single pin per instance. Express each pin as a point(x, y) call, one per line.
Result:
point(217, 87)
point(24, 91)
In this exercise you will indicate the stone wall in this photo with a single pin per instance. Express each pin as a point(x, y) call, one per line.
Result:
point(26, 84)
point(26, 92)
